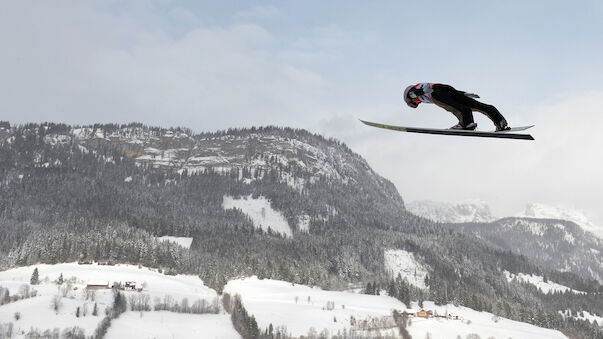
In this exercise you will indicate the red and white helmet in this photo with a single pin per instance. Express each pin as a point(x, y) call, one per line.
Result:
point(409, 101)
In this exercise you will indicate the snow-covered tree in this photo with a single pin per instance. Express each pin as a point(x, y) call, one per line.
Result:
point(35, 278)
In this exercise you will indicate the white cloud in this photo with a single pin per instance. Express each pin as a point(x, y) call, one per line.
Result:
point(562, 166)
point(303, 76)
point(184, 16)
point(260, 12)
point(85, 65)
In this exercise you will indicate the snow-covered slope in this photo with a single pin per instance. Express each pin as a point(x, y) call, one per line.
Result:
point(538, 281)
point(404, 263)
point(583, 315)
point(179, 286)
point(464, 211)
point(37, 312)
point(182, 241)
point(162, 324)
point(260, 212)
point(542, 211)
point(559, 244)
point(479, 211)
point(473, 324)
point(301, 308)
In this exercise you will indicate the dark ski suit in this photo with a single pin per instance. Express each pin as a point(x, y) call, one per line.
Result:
point(459, 103)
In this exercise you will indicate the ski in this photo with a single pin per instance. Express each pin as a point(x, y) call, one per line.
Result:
point(502, 134)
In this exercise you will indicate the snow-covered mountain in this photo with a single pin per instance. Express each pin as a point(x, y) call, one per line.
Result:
point(554, 236)
point(464, 211)
point(478, 211)
point(549, 235)
point(560, 244)
point(247, 154)
point(578, 217)
point(115, 193)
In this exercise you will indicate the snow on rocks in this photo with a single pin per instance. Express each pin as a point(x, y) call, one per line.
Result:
point(539, 282)
point(57, 139)
point(260, 212)
point(472, 210)
point(404, 263)
point(542, 211)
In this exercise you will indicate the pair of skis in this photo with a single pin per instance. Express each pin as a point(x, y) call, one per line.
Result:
point(508, 134)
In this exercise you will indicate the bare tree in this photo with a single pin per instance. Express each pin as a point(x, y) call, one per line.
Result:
point(56, 302)
point(184, 308)
point(90, 294)
point(24, 290)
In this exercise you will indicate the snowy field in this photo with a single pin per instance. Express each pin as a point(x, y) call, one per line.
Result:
point(538, 281)
point(404, 263)
point(37, 312)
point(162, 324)
point(260, 212)
point(299, 308)
point(484, 324)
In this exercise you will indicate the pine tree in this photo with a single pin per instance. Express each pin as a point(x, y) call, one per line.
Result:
point(60, 280)
point(35, 278)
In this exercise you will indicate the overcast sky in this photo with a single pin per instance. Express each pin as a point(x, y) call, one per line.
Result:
point(321, 65)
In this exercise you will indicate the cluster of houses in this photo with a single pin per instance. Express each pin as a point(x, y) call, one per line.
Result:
point(409, 313)
point(126, 286)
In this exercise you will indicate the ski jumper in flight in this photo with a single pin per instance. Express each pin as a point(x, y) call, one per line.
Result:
point(459, 103)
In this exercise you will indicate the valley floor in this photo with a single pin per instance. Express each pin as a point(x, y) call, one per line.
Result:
point(295, 309)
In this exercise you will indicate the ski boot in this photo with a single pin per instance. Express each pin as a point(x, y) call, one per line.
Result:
point(502, 126)
point(472, 126)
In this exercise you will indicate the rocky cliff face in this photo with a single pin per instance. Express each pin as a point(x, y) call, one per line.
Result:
point(465, 211)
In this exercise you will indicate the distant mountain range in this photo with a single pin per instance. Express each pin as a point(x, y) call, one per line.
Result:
point(464, 211)
point(479, 211)
point(557, 237)
point(541, 211)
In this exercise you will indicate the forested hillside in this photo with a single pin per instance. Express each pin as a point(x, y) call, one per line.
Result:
point(103, 193)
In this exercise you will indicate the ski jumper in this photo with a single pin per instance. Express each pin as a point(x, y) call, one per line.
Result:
point(459, 103)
